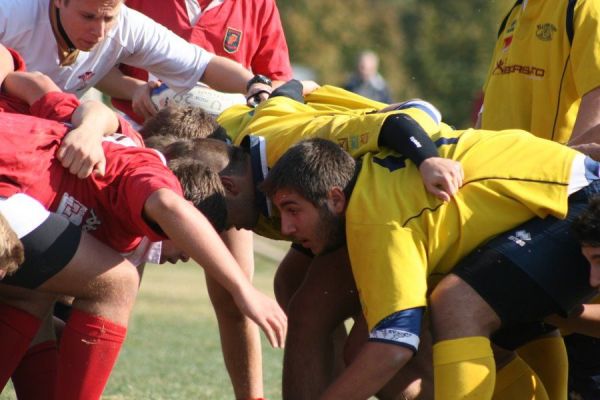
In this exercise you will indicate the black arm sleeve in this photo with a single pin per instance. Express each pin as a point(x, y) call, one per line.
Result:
point(401, 133)
point(292, 89)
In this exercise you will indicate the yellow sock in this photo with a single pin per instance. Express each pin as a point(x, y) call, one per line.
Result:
point(517, 381)
point(548, 358)
point(463, 369)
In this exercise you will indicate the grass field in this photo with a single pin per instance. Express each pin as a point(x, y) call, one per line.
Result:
point(172, 349)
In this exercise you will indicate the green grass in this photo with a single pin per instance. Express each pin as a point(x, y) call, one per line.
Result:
point(172, 349)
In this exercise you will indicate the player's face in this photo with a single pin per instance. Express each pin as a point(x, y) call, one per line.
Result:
point(171, 253)
point(317, 229)
point(592, 253)
point(86, 22)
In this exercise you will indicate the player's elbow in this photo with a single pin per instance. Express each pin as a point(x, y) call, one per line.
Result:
point(393, 358)
point(159, 203)
point(398, 357)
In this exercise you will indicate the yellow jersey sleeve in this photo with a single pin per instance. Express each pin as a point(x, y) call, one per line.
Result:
point(395, 262)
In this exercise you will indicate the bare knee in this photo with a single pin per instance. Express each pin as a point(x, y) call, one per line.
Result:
point(457, 310)
point(117, 286)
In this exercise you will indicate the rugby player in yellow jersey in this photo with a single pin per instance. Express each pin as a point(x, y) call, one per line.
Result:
point(265, 133)
point(544, 77)
point(402, 240)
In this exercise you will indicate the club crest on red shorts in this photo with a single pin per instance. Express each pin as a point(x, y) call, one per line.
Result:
point(232, 40)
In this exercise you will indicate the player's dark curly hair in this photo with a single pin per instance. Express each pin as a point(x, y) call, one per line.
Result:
point(312, 168)
point(202, 186)
point(586, 227)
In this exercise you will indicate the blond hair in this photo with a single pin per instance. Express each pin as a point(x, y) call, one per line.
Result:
point(12, 253)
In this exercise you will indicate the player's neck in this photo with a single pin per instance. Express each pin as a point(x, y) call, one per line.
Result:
point(67, 52)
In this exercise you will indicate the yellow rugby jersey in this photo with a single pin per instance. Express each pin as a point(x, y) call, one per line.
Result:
point(348, 119)
point(329, 112)
point(399, 235)
point(536, 78)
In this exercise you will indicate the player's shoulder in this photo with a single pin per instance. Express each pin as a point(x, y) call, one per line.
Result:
point(256, 7)
point(132, 24)
point(23, 14)
point(585, 9)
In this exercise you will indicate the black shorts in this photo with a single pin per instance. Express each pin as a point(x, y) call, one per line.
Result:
point(532, 271)
point(48, 249)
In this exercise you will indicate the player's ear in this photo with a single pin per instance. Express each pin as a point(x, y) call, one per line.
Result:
point(336, 200)
point(230, 185)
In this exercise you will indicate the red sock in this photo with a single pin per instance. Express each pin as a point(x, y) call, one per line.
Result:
point(35, 377)
point(87, 354)
point(17, 329)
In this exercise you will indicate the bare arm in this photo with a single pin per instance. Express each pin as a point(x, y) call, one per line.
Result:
point(373, 367)
point(586, 132)
point(28, 86)
point(586, 323)
point(6, 63)
point(81, 149)
point(226, 75)
point(193, 234)
point(120, 86)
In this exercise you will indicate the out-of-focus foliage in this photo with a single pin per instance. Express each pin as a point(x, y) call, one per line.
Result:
point(432, 49)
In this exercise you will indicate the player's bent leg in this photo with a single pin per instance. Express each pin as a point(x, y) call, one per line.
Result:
point(240, 336)
point(35, 376)
point(240, 343)
point(104, 286)
point(102, 282)
point(517, 381)
point(21, 313)
point(325, 299)
point(288, 278)
point(458, 311)
point(547, 356)
point(59, 259)
point(462, 355)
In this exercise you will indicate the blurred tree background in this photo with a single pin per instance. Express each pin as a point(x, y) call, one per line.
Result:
point(436, 50)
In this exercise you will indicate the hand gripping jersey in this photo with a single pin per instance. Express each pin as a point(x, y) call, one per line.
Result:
point(399, 236)
point(55, 106)
point(109, 207)
point(330, 113)
point(538, 75)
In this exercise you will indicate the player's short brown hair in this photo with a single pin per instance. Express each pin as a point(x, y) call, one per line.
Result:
point(202, 186)
point(12, 253)
point(221, 157)
point(312, 168)
point(183, 122)
point(586, 226)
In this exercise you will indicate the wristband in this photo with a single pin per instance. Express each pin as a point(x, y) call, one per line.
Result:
point(258, 78)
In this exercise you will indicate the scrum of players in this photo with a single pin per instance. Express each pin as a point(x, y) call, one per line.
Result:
point(462, 256)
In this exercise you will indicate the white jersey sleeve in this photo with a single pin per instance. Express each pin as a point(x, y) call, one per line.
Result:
point(156, 49)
